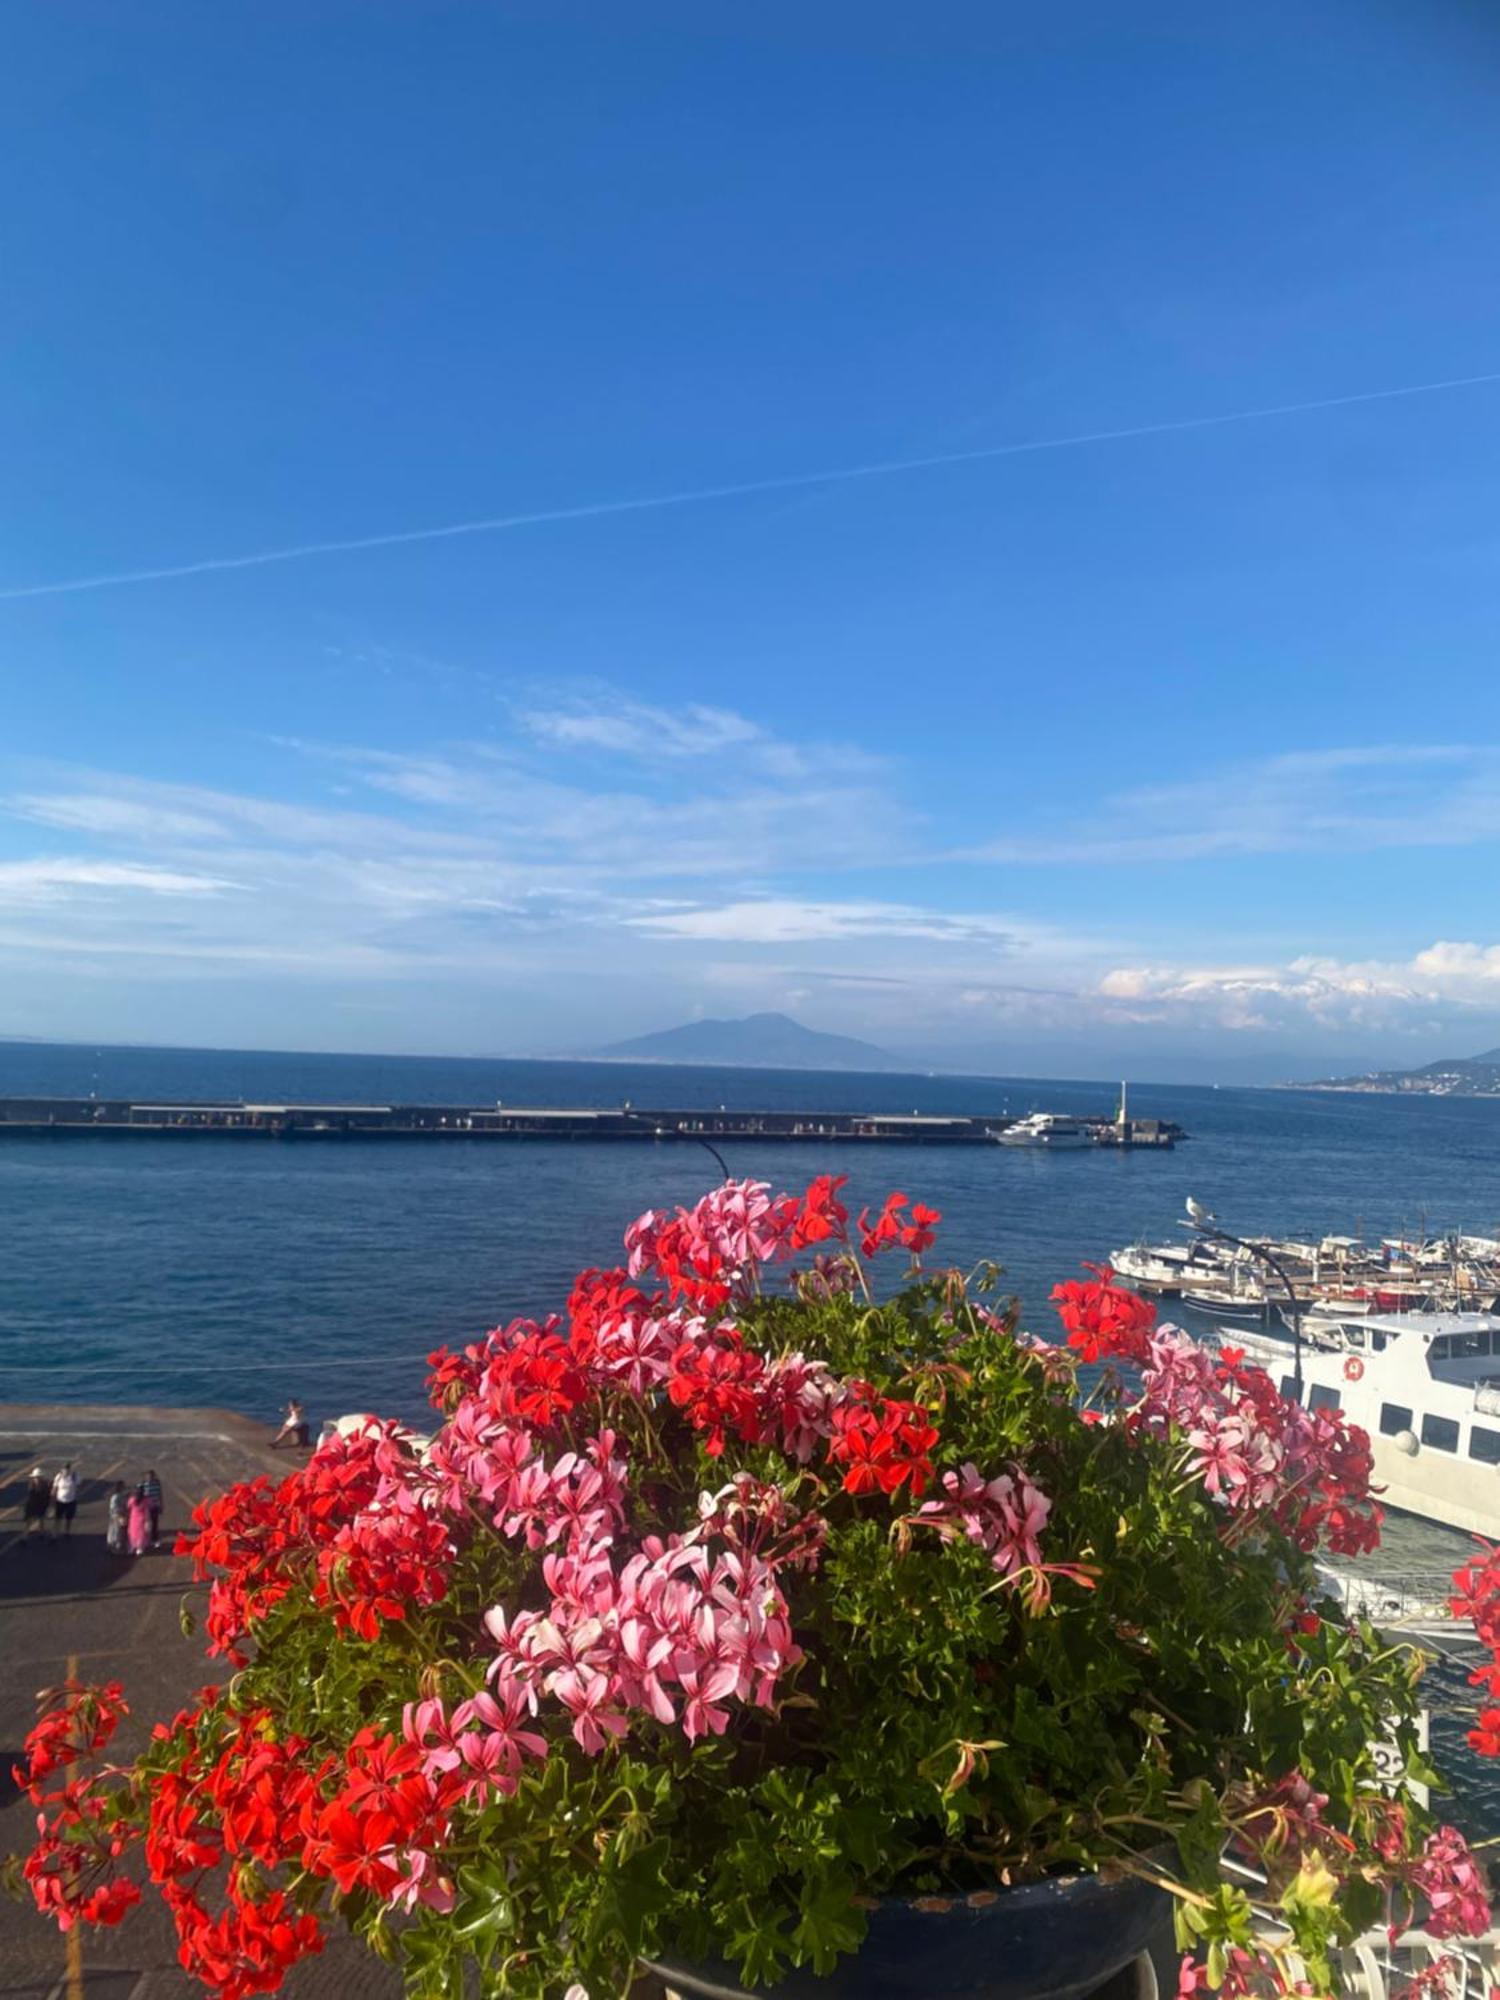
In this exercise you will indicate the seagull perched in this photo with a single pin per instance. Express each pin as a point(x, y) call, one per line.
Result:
point(1198, 1213)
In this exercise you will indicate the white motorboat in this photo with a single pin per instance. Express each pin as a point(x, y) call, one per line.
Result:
point(1426, 1387)
point(1165, 1268)
point(1150, 1266)
point(1047, 1128)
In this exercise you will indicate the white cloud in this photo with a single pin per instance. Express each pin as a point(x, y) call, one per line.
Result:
point(1440, 983)
point(600, 853)
point(1473, 967)
point(136, 811)
point(462, 863)
point(599, 722)
point(86, 812)
point(636, 729)
point(51, 880)
point(640, 826)
point(1344, 800)
point(785, 920)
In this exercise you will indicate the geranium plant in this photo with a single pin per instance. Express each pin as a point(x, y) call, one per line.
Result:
point(736, 1597)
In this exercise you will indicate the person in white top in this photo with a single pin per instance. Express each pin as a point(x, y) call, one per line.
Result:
point(293, 1426)
point(65, 1498)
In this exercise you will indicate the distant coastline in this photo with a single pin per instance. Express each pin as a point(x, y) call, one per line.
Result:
point(1450, 1076)
point(1380, 1087)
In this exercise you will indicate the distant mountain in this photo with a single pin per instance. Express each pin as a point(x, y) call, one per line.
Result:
point(1450, 1076)
point(759, 1041)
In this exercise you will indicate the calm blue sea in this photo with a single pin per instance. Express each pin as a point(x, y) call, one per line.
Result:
point(236, 1273)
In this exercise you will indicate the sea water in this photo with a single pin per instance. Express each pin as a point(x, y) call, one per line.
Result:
point(239, 1272)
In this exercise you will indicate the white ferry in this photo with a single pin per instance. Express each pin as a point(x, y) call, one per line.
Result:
point(1047, 1128)
point(1426, 1386)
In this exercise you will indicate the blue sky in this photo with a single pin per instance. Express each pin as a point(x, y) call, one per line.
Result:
point(1176, 748)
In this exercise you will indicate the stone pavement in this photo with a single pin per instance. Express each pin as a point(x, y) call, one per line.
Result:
point(67, 1606)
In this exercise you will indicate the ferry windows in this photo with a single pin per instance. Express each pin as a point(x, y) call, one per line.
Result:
point(1321, 1397)
point(1394, 1419)
point(1455, 1346)
point(1441, 1433)
point(1289, 1388)
point(1484, 1445)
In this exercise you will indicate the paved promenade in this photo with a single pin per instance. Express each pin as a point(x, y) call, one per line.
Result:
point(67, 1606)
point(70, 1608)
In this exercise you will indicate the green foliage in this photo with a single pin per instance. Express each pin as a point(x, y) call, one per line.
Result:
point(941, 1732)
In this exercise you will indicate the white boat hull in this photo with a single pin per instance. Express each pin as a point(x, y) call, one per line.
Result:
point(1436, 1486)
point(1047, 1141)
point(1392, 1393)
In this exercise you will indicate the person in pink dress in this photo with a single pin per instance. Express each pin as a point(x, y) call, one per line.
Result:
point(138, 1519)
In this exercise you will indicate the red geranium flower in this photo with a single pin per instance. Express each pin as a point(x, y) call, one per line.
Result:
point(1103, 1321)
point(882, 1443)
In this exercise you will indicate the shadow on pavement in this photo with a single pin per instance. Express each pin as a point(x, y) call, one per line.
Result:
point(49, 1565)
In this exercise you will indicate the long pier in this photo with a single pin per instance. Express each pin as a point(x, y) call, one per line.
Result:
point(73, 1117)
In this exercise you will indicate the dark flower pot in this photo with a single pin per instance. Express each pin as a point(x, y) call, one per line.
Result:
point(1059, 1939)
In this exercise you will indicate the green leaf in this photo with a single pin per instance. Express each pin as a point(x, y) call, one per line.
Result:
point(831, 1923)
point(636, 1890)
point(1312, 1888)
point(485, 1904)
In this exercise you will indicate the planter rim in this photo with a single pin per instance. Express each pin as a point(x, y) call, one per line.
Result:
point(944, 1903)
point(921, 1947)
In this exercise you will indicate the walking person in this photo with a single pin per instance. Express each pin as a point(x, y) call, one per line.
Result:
point(38, 1499)
point(151, 1494)
point(138, 1523)
point(65, 1498)
point(117, 1525)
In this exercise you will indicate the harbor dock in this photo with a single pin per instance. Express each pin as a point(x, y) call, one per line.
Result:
point(65, 1117)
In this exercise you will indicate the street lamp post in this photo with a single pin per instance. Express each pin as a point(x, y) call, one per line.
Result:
point(1203, 1221)
point(698, 1137)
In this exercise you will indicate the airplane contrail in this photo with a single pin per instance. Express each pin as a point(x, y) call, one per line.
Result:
point(739, 489)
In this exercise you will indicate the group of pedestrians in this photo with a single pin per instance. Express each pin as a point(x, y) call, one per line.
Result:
point(133, 1519)
point(57, 1496)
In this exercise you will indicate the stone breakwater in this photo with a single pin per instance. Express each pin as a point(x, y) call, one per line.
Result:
point(123, 1117)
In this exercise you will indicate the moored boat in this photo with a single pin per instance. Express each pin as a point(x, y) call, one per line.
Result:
point(1050, 1129)
point(1164, 1268)
point(1426, 1388)
point(1223, 1302)
point(1334, 1278)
